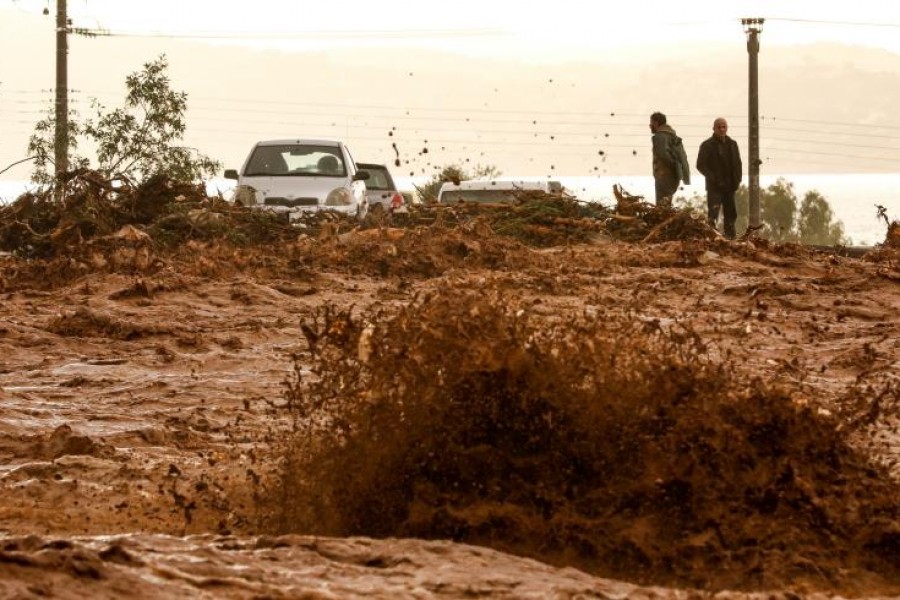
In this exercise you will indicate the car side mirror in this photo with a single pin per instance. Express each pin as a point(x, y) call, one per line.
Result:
point(231, 174)
point(362, 176)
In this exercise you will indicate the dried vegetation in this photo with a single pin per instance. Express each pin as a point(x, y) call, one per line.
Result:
point(104, 226)
point(118, 227)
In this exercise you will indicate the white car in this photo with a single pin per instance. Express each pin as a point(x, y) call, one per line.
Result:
point(293, 176)
point(381, 189)
point(493, 190)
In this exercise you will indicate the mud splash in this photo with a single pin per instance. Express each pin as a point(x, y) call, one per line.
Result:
point(596, 440)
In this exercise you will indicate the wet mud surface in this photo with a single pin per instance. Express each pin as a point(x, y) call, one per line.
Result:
point(146, 417)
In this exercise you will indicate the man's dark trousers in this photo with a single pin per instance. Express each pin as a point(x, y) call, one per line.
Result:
point(717, 198)
point(666, 188)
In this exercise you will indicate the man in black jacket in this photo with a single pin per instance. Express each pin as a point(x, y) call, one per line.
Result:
point(719, 160)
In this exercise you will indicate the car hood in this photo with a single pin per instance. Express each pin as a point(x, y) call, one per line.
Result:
point(295, 187)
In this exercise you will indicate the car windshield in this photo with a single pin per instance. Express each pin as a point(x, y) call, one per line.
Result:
point(296, 159)
point(379, 179)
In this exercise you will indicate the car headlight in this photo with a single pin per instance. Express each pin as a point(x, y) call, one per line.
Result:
point(246, 195)
point(339, 197)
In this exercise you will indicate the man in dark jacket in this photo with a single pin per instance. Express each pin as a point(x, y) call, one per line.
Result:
point(670, 164)
point(720, 162)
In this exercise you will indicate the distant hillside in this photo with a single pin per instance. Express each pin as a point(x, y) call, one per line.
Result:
point(579, 118)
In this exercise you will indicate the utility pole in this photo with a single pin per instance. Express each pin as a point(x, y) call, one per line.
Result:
point(61, 145)
point(753, 27)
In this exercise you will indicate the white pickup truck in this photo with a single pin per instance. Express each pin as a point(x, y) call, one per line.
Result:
point(292, 176)
point(493, 190)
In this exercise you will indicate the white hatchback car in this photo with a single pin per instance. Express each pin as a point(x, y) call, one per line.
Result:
point(293, 176)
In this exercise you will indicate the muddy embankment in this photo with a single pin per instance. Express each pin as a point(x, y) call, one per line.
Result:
point(613, 389)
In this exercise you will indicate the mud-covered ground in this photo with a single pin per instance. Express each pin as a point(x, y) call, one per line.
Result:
point(144, 417)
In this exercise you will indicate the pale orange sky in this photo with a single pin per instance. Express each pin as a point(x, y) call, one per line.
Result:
point(563, 27)
point(234, 104)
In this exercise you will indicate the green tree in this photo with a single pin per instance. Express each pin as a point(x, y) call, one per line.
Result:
point(777, 211)
point(782, 220)
point(454, 173)
point(816, 224)
point(41, 146)
point(137, 141)
point(742, 207)
point(696, 203)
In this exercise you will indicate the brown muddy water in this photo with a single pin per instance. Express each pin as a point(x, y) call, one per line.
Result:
point(401, 414)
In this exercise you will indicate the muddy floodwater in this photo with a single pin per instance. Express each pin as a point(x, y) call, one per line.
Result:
point(146, 420)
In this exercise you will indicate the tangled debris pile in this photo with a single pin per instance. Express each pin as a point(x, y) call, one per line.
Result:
point(636, 220)
point(600, 441)
point(119, 227)
point(893, 235)
point(171, 213)
point(535, 218)
point(168, 213)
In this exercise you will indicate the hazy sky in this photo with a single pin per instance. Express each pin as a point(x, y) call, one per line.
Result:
point(493, 27)
point(478, 124)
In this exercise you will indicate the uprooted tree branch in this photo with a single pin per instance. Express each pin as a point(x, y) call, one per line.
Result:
point(139, 140)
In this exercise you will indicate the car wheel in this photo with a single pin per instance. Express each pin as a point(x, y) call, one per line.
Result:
point(377, 215)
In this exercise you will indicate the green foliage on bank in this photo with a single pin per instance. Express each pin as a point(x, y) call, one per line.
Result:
point(454, 173)
point(784, 216)
point(137, 141)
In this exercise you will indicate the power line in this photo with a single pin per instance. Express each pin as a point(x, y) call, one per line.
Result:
point(352, 120)
point(4, 90)
point(500, 111)
point(841, 123)
point(818, 153)
point(832, 143)
point(470, 109)
point(482, 135)
point(827, 22)
point(301, 36)
point(567, 135)
point(602, 124)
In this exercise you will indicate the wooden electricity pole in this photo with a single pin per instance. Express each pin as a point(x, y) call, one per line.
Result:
point(61, 140)
point(753, 27)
